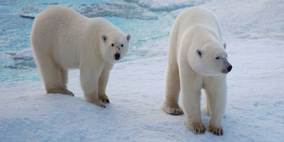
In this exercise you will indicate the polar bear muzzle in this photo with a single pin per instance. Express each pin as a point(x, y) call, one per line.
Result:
point(227, 67)
point(117, 56)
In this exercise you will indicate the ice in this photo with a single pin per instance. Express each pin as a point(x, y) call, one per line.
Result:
point(117, 10)
point(30, 11)
point(162, 5)
point(25, 54)
point(106, 9)
point(21, 59)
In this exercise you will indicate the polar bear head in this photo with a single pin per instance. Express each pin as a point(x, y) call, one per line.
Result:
point(114, 46)
point(210, 59)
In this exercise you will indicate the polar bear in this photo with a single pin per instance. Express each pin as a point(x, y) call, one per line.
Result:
point(63, 39)
point(197, 60)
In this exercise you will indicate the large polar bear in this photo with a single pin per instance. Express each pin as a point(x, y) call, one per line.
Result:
point(63, 39)
point(197, 60)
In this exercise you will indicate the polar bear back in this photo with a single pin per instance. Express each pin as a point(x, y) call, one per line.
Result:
point(62, 25)
point(194, 17)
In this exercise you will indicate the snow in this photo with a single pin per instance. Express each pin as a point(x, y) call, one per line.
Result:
point(251, 19)
point(253, 31)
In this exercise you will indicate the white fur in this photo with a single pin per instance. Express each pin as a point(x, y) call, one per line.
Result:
point(63, 39)
point(196, 29)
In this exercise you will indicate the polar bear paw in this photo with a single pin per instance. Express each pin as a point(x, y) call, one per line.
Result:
point(173, 110)
point(198, 128)
point(215, 130)
point(63, 91)
point(96, 100)
point(99, 103)
point(104, 98)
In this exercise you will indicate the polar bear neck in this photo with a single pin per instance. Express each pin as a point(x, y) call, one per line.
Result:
point(206, 34)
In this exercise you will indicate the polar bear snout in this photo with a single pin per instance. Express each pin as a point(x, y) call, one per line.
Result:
point(228, 68)
point(117, 56)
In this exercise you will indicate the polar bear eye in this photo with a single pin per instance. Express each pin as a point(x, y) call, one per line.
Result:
point(199, 53)
point(217, 58)
point(112, 45)
point(121, 45)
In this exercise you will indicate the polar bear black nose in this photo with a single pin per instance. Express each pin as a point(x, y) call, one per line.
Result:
point(116, 56)
point(229, 68)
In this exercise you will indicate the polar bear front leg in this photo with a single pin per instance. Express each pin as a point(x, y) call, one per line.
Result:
point(102, 86)
point(172, 90)
point(173, 81)
point(215, 88)
point(90, 84)
point(191, 92)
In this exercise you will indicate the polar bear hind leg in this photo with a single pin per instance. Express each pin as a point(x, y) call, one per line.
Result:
point(54, 77)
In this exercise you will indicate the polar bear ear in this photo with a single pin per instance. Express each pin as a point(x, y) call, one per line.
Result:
point(104, 38)
point(128, 37)
point(199, 53)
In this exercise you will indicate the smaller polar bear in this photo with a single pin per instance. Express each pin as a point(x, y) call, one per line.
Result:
point(63, 39)
point(197, 60)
